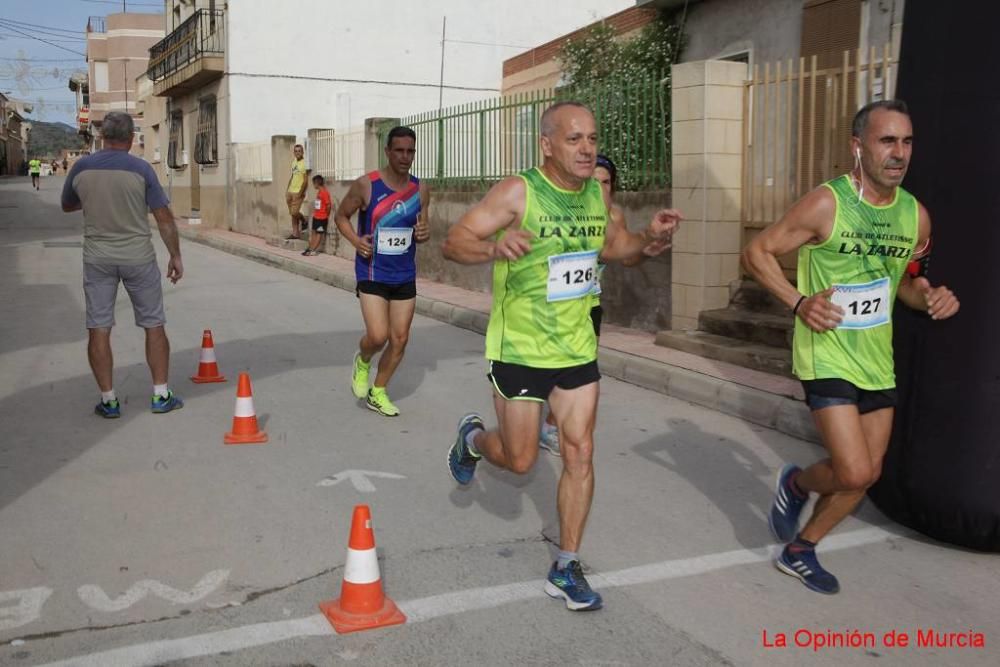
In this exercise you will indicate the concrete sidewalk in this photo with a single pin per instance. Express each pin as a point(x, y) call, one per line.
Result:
point(625, 354)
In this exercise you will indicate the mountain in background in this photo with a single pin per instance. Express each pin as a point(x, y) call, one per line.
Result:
point(47, 140)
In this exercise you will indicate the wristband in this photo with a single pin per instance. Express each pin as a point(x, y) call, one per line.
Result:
point(795, 310)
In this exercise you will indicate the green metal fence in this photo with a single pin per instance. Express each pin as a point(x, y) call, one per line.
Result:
point(481, 142)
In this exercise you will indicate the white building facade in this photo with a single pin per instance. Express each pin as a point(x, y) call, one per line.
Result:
point(239, 72)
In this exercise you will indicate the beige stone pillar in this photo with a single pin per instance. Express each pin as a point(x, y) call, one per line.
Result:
point(707, 131)
point(281, 172)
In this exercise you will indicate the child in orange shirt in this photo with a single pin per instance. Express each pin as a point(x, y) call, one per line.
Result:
point(322, 206)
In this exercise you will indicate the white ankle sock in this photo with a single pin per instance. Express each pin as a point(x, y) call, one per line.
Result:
point(160, 390)
point(470, 441)
point(108, 396)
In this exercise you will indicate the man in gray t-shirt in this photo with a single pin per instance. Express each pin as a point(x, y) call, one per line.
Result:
point(116, 192)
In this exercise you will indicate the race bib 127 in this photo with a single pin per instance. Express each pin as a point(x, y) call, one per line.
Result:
point(865, 305)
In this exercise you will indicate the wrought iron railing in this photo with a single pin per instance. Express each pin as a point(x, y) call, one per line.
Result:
point(484, 141)
point(201, 34)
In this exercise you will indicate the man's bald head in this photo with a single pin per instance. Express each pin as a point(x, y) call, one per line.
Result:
point(550, 115)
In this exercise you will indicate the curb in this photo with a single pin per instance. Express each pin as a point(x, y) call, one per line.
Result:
point(781, 413)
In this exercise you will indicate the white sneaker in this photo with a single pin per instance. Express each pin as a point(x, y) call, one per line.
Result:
point(548, 439)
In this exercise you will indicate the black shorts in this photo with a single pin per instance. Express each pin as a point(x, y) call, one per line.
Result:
point(400, 292)
point(834, 391)
point(596, 315)
point(319, 226)
point(524, 383)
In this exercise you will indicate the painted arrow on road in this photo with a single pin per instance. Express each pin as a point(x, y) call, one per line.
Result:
point(359, 478)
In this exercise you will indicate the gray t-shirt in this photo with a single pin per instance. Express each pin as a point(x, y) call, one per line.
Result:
point(117, 191)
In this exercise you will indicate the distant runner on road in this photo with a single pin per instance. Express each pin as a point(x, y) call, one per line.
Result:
point(35, 169)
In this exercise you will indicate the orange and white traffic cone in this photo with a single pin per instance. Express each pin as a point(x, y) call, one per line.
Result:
point(362, 605)
point(208, 368)
point(245, 430)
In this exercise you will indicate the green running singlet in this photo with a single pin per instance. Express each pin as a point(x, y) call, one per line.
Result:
point(541, 302)
point(864, 258)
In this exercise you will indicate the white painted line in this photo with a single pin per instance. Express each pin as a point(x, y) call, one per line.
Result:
point(213, 643)
point(437, 606)
point(28, 606)
point(95, 597)
point(359, 478)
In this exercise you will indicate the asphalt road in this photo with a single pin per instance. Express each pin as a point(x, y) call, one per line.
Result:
point(146, 541)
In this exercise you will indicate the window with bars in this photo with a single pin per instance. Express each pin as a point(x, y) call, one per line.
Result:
point(176, 146)
point(206, 142)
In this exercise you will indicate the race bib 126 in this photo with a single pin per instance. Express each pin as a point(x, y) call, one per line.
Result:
point(571, 275)
point(865, 305)
point(394, 240)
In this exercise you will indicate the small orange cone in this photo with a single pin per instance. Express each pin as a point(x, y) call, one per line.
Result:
point(362, 605)
point(208, 369)
point(245, 430)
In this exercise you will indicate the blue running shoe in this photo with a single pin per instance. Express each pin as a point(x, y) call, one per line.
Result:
point(109, 409)
point(783, 518)
point(804, 566)
point(171, 402)
point(548, 439)
point(570, 584)
point(462, 462)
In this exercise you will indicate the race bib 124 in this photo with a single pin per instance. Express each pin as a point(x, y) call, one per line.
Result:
point(394, 240)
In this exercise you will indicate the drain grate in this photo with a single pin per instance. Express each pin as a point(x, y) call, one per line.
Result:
point(62, 244)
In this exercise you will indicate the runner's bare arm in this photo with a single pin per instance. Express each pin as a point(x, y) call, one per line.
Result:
point(355, 199)
point(168, 232)
point(939, 302)
point(305, 183)
point(810, 220)
point(616, 218)
point(621, 244)
point(469, 240)
point(422, 230)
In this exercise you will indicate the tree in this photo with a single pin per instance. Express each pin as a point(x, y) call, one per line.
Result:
point(627, 83)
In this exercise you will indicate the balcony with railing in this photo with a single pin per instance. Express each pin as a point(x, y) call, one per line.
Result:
point(97, 24)
point(190, 56)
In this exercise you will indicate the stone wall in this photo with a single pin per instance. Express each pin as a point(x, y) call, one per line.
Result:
point(638, 297)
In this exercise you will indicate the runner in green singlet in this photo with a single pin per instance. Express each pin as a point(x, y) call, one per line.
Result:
point(856, 236)
point(545, 230)
point(35, 169)
point(605, 173)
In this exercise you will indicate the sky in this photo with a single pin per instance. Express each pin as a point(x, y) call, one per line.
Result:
point(39, 72)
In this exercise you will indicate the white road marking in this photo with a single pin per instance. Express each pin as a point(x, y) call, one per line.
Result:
point(96, 598)
point(28, 607)
point(359, 478)
point(436, 606)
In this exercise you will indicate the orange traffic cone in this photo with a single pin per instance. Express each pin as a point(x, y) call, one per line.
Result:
point(362, 605)
point(208, 369)
point(245, 430)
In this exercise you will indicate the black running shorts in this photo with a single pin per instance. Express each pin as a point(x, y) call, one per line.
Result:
point(400, 292)
point(524, 383)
